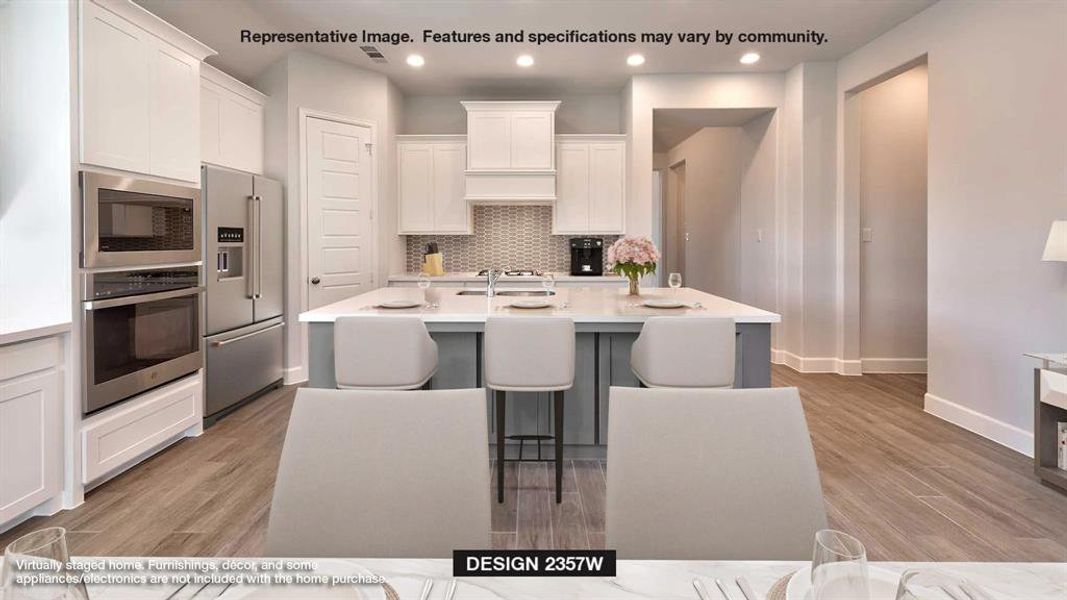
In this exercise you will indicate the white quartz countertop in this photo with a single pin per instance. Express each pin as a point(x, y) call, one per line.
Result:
point(473, 277)
point(583, 304)
point(15, 331)
point(634, 580)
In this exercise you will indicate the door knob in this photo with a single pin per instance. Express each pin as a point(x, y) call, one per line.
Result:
point(315, 280)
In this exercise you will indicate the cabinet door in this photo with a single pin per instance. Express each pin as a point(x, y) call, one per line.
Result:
point(450, 208)
point(415, 187)
point(571, 213)
point(489, 140)
point(115, 91)
point(174, 132)
point(30, 442)
point(210, 123)
point(607, 188)
point(242, 133)
point(532, 136)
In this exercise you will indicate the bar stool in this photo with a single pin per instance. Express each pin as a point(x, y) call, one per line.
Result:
point(529, 354)
point(383, 353)
point(695, 352)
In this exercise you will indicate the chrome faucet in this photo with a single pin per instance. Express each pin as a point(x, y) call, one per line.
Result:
point(491, 275)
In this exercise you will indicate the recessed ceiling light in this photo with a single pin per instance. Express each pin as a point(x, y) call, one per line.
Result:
point(635, 60)
point(750, 58)
point(416, 60)
point(524, 60)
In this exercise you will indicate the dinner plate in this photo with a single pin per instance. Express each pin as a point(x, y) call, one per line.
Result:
point(328, 568)
point(530, 304)
point(663, 303)
point(399, 304)
point(883, 584)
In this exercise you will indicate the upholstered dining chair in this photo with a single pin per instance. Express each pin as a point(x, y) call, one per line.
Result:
point(685, 352)
point(382, 474)
point(383, 353)
point(711, 475)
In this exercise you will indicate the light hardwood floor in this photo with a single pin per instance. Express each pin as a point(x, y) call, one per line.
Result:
point(911, 486)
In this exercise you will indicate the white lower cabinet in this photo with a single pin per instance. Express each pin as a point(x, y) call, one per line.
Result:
point(430, 185)
point(590, 185)
point(31, 425)
point(116, 437)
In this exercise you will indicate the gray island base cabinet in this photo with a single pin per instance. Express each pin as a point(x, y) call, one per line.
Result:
point(602, 354)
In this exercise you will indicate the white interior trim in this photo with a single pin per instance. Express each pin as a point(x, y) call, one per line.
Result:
point(295, 375)
point(820, 364)
point(1007, 435)
point(894, 365)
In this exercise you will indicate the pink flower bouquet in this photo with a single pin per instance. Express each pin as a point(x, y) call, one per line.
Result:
point(633, 256)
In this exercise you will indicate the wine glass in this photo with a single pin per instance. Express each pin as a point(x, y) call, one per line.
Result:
point(548, 281)
point(42, 552)
point(424, 284)
point(675, 281)
point(926, 585)
point(839, 567)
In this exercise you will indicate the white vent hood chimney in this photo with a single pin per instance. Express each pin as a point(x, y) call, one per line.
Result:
point(511, 152)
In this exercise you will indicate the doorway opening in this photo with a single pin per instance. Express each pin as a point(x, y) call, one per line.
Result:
point(717, 214)
point(891, 189)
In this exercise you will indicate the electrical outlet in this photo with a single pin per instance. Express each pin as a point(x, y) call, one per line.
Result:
point(868, 236)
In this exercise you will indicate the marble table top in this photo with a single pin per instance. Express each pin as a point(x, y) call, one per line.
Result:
point(583, 304)
point(635, 579)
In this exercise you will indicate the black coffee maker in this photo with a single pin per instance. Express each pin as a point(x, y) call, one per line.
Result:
point(587, 256)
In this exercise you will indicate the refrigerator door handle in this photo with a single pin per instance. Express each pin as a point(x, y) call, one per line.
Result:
point(251, 256)
point(219, 343)
point(259, 246)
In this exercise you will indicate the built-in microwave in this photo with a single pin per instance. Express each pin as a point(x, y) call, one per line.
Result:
point(130, 222)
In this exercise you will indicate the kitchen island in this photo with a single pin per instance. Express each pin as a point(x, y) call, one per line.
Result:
point(607, 321)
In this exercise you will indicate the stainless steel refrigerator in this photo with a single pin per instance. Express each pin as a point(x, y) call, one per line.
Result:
point(243, 269)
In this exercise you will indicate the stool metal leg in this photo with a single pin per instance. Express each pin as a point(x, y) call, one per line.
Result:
point(500, 446)
point(558, 431)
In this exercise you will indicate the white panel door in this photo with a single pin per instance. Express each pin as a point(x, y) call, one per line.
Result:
point(532, 140)
point(571, 211)
point(116, 91)
point(175, 113)
point(450, 207)
point(415, 187)
point(607, 177)
point(340, 210)
point(489, 140)
point(31, 442)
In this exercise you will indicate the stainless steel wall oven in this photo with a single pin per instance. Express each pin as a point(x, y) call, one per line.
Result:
point(141, 330)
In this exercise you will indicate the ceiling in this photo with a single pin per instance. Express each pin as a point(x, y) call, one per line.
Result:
point(672, 126)
point(575, 67)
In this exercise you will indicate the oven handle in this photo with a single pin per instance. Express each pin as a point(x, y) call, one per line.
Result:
point(125, 301)
point(220, 343)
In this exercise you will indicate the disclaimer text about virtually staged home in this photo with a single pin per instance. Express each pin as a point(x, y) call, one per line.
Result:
point(538, 38)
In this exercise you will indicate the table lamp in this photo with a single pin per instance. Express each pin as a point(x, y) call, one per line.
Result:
point(1056, 246)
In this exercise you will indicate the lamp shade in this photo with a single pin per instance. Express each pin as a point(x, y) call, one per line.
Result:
point(1056, 246)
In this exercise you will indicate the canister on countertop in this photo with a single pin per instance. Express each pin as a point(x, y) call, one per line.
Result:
point(433, 262)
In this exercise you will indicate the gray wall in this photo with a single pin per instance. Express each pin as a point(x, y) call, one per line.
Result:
point(598, 113)
point(893, 206)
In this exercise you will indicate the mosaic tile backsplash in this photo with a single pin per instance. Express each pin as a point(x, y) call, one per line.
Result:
point(512, 237)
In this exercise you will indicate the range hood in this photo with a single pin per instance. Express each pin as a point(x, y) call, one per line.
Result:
point(511, 152)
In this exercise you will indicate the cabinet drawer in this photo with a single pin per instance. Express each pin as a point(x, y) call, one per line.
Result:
point(111, 439)
point(26, 357)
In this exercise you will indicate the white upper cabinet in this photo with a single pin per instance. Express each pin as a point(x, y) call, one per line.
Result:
point(139, 92)
point(511, 156)
point(591, 185)
point(430, 185)
point(231, 122)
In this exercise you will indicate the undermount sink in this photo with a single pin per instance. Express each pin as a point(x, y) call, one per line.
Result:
point(508, 293)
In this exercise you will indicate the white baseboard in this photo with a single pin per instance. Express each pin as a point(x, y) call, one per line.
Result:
point(828, 364)
point(1010, 436)
point(893, 365)
point(295, 375)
